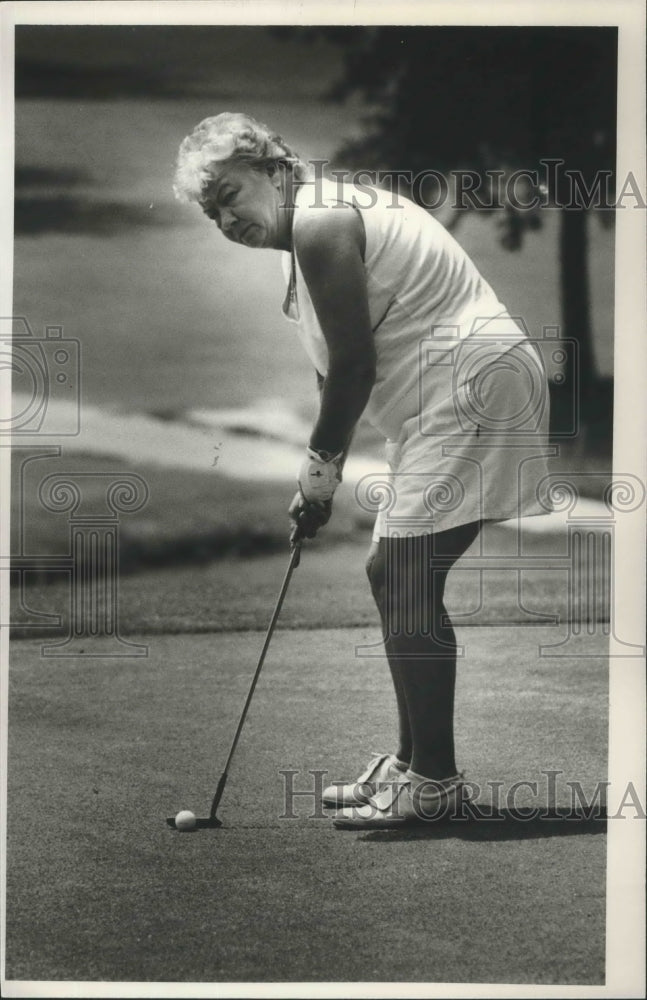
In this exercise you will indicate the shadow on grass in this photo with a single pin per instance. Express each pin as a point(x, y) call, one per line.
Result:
point(487, 824)
point(136, 556)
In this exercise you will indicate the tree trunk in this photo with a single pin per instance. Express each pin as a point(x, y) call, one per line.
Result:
point(580, 370)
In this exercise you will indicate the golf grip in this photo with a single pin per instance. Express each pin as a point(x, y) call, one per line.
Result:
point(295, 542)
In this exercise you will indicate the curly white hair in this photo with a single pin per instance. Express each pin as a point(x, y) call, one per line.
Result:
point(222, 138)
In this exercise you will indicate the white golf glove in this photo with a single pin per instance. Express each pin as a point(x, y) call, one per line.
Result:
point(319, 475)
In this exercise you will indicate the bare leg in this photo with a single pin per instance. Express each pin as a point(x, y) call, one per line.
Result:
point(408, 581)
point(405, 747)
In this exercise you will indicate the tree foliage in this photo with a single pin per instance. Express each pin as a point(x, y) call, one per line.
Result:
point(483, 99)
point(490, 99)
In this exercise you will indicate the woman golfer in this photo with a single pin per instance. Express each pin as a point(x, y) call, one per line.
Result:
point(399, 325)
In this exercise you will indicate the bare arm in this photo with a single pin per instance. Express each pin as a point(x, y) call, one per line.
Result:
point(329, 245)
point(320, 384)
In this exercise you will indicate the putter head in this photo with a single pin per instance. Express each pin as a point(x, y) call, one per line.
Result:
point(205, 823)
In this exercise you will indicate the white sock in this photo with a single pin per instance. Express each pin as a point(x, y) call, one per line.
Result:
point(420, 779)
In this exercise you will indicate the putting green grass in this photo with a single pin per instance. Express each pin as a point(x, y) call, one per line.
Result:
point(101, 751)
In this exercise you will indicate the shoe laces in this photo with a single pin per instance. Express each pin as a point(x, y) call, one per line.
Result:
point(390, 793)
point(375, 763)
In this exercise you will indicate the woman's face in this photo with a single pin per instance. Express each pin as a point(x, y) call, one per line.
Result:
point(246, 205)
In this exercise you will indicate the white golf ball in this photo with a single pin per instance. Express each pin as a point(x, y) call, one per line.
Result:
point(185, 820)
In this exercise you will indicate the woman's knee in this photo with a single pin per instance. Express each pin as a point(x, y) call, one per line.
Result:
point(407, 580)
point(375, 568)
point(408, 575)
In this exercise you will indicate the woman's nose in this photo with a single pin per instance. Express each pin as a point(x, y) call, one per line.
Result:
point(226, 219)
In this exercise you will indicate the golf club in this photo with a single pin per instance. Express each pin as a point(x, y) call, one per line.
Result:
point(212, 820)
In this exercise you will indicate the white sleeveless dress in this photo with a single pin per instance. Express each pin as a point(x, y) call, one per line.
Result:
point(460, 394)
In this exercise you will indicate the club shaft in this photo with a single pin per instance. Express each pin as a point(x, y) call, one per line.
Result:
point(294, 561)
point(217, 797)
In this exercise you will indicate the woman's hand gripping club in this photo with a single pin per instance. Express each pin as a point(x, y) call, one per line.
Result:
point(318, 478)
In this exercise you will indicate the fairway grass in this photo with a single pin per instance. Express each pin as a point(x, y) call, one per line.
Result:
point(329, 589)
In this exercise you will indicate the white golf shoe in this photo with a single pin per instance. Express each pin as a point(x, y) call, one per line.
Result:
point(410, 798)
point(383, 770)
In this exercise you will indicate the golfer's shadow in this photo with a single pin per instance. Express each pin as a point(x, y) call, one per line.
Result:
point(487, 823)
